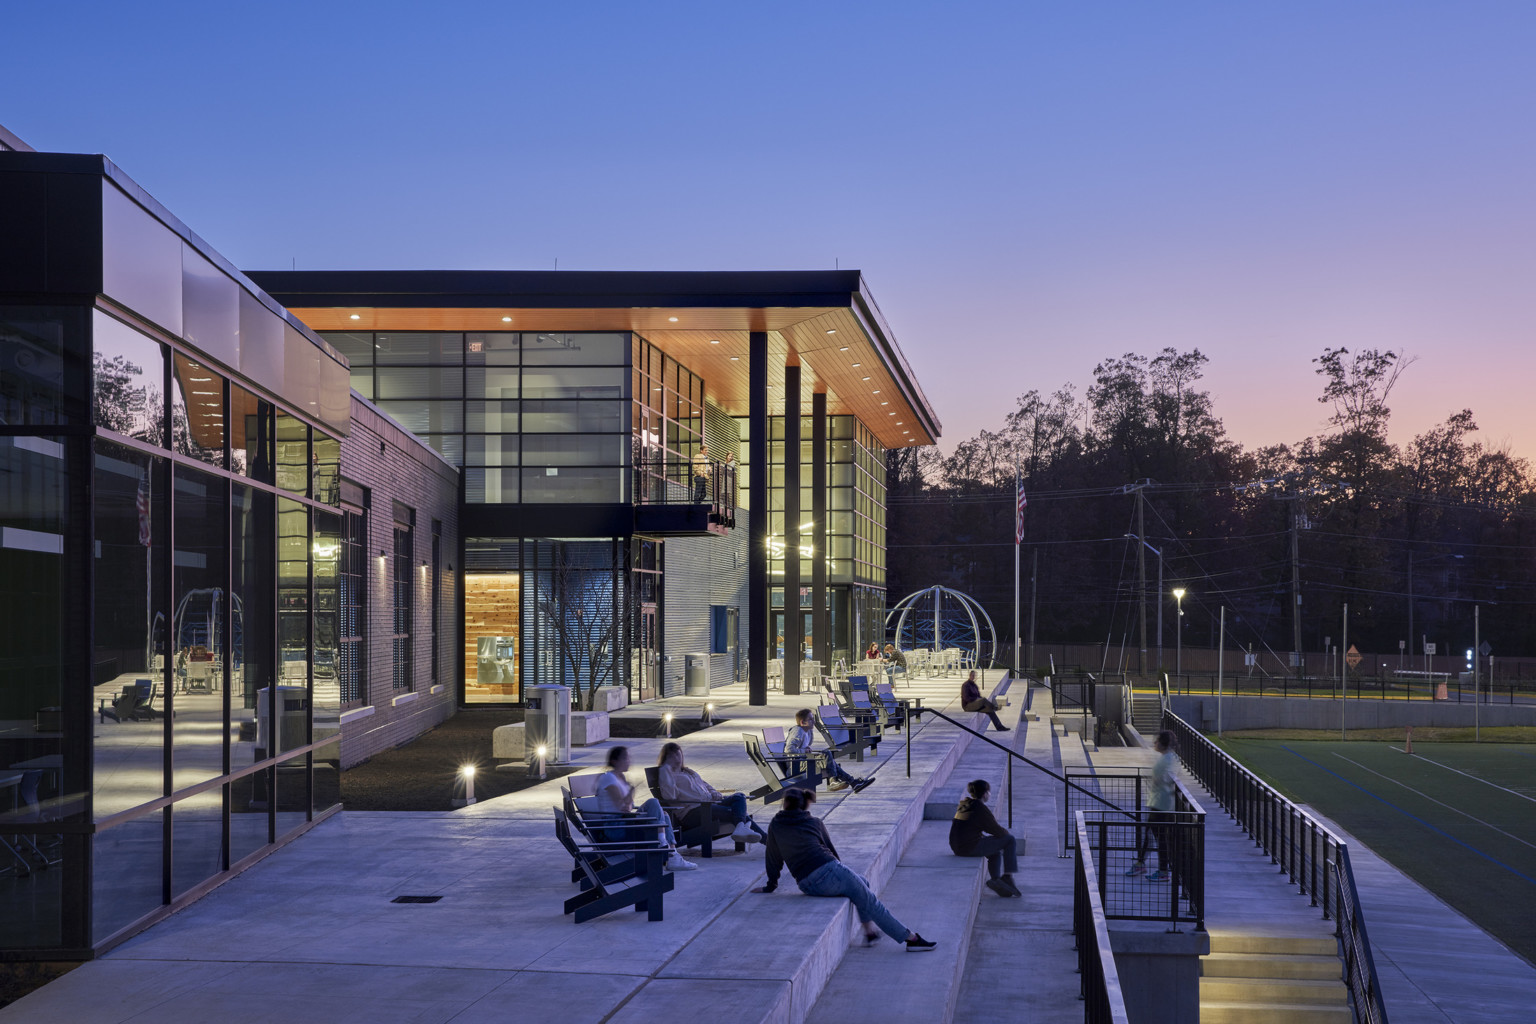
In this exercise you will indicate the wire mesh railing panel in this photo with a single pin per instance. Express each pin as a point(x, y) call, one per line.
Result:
point(1150, 865)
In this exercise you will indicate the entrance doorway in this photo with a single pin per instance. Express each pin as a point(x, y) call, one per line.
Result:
point(782, 642)
point(645, 662)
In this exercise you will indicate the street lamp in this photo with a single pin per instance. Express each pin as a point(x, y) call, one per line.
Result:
point(1178, 630)
point(1159, 555)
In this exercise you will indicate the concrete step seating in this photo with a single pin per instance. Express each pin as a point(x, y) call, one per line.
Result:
point(1271, 979)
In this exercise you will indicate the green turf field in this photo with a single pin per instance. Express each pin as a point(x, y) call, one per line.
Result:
point(1460, 818)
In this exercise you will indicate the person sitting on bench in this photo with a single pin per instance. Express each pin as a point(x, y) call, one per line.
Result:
point(616, 796)
point(972, 700)
point(799, 740)
point(974, 832)
point(681, 784)
point(799, 840)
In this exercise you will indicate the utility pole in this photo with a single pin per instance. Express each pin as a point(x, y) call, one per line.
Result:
point(1141, 576)
point(1034, 592)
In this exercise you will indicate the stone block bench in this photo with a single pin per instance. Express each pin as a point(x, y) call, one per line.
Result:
point(587, 728)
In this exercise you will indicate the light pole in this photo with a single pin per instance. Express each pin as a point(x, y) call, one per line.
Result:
point(1159, 555)
point(1178, 630)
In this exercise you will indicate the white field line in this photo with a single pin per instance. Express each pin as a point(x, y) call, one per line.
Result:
point(1432, 800)
point(1458, 771)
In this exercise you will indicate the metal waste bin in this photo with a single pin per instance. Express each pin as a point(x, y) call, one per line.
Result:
point(547, 723)
point(292, 718)
point(696, 676)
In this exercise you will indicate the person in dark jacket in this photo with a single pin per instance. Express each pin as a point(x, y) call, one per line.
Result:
point(976, 833)
point(798, 839)
point(972, 700)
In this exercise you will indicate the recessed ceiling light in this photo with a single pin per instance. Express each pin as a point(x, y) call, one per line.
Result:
point(656, 389)
point(864, 378)
point(735, 359)
point(857, 364)
point(671, 319)
point(832, 331)
point(506, 319)
point(898, 423)
point(356, 317)
point(891, 413)
point(843, 349)
point(887, 403)
point(875, 392)
point(714, 341)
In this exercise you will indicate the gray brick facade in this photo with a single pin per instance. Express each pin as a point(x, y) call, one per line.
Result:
point(395, 467)
point(700, 572)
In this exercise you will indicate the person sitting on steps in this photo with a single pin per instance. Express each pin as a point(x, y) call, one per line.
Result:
point(975, 832)
point(797, 839)
point(972, 700)
point(681, 784)
point(799, 740)
point(616, 796)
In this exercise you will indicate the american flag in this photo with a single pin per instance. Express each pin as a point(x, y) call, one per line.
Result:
point(1018, 519)
point(142, 504)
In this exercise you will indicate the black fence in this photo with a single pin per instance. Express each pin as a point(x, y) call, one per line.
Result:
point(673, 480)
point(1151, 864)
point(1311, 856)
point(1103, 1002)
point(1405, 685)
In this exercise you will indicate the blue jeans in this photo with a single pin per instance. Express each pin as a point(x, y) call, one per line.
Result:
point(835, 879)
point(652, 809)
point(732, 809)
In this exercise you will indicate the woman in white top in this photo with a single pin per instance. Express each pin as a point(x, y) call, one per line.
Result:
point(1160, 806)
point(616, 796)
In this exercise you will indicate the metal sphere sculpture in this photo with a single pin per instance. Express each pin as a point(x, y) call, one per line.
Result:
point(941, 617)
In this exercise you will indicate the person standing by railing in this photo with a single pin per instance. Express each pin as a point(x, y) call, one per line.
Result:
point(1159, 811)
point(700, 475)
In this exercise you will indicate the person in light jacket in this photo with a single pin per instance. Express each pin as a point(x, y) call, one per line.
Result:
point(1160, 804)
point(800, 740)
point(681, 784)
point(797, 839)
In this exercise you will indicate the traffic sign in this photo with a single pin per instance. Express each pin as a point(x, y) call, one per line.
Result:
point(1353, 657)
point(1485, 649)
point(1429, 648)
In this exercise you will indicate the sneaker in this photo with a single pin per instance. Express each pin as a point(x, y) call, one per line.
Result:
point(1000, 887)
point(1001, 729)
point(677, 863)
point(1013, 888)
point(1135, 869)
point(835, 785)
point(871, 940)
point(918, 944)
point(862, 784)
point(744, 834)
point(1157, 876)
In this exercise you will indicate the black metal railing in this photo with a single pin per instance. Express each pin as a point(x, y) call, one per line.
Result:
point(663, 479)
point(1103, 1002)
point(1311, 856)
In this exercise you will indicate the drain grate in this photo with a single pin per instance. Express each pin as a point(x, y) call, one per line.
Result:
point(415, 899)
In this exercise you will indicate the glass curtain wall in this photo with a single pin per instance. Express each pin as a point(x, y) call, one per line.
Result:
point(204, 569)
point(533, 417)
point(668, 426)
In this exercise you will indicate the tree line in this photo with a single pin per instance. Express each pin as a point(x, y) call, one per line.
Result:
point(1412, 536)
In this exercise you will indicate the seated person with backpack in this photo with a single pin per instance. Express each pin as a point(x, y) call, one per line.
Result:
point(801, 738)
point(681, 784)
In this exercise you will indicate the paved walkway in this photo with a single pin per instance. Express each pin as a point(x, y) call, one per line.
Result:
point(310, 934)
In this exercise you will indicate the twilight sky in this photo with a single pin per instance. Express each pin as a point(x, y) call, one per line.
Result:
point(1028, 187)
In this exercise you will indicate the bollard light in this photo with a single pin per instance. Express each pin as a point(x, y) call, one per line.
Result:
point(539, 755)
point(468, 771)
point(709, 714)
point(666, 724)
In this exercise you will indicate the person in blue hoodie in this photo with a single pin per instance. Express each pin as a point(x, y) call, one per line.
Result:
point(797, 839)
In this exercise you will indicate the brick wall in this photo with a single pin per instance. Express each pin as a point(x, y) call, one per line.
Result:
point(395, 466)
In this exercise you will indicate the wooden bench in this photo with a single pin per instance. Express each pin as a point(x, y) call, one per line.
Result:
point(614, 872)
point(777, 768)
point(702, 835)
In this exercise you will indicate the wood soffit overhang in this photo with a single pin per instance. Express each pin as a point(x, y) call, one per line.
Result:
point(704, 340)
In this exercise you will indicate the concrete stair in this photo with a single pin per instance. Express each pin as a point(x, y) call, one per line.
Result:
point(1146, 713)
point(1271, 979)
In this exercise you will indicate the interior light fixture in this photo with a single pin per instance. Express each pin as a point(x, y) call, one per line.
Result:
point(714, 341)
point(887, 403)
point(891, 413)
point(864, 378)
point(832, 330)
point(899, 423)
point(858, 364)
point(735, 359)
point(356, 317)
point(506, 319)
point(843, 349)
point(875, 392)
point(671, 319)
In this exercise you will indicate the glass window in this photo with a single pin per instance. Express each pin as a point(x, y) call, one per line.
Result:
point(491, 417)
point(490, 486)
point(566, 484)
point(126, 865)
point(41, 368)
point(419, 382)
point(492, 349)
point(292, 696)
point(352, 617)
point(252, 668)
point(575, 349)
point(251, 435)
point(132, 516)
point(197, 411)
point(129, 389)
point(574, 382)
point(362, 382)
point(326, 700)
point(574, 417)
point(327, 469)
point(197, 843)
point(574, 449)
point(426, 417)
point(199, 628)
point(357, 346)
point(291, 436)
point(404, 609)
point(449, 446)
point(415, 349)
point(491, 382)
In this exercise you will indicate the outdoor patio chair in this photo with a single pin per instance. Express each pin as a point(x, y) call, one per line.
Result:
point(641, 883)
point(703, 834)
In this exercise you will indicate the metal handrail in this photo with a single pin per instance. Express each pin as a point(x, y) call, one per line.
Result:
point(1312, 856)
point(1103, 1001)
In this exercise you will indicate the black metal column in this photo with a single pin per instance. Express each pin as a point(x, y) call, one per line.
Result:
point(757, 496)
point(794, 629)
point(821, 641)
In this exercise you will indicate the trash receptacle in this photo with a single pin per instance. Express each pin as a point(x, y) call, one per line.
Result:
point(547, 723)
point(292, 718)
point(697, 676)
